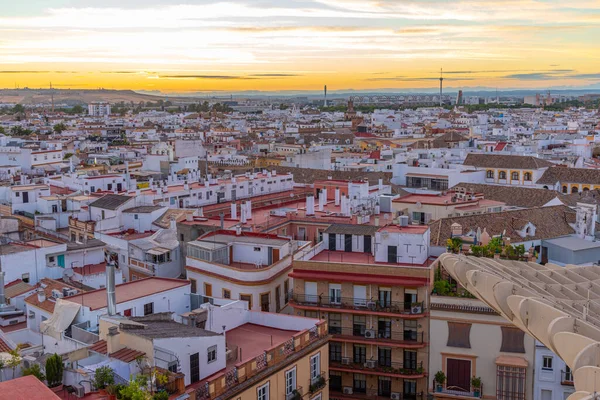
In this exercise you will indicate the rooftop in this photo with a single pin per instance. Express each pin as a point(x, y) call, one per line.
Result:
point(161, 326)
point(110, 201)
point(26, 388)
point(128, 291)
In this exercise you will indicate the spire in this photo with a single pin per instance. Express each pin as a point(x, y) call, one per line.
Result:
point(441, 85)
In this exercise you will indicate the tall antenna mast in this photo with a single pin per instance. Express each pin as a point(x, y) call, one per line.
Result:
point(441, 85)
point(52, 96)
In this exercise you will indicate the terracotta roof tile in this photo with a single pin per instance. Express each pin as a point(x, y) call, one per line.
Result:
point(505, 161)
point(99, 347)
point(570, 175)
point(127, 355)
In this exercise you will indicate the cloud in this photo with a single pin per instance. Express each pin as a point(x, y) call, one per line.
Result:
point(37, 72)
point(216, 77)
point(277, 75)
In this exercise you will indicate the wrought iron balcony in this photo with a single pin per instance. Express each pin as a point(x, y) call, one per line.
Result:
point(359, 331)
point(353, 303)
point(378, 366)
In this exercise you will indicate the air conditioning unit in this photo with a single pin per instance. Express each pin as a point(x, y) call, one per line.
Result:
point(371, 305)
point(370, 364)
point(57, 294)
point(79, 391)
point(347, 390)
point(345, 361)
point(370, 334)
point(416, 310)
point(395, 396)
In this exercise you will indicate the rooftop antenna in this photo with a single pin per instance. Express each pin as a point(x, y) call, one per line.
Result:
point(52, 96)
point(441, 85)
point(325, 104)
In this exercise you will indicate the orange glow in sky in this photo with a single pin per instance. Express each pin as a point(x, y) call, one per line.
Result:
point(210, 45)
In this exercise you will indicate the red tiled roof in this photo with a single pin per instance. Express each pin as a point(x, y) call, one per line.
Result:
point(127, 355)
point(4, 348)
point(99, 347)
point(26, 388)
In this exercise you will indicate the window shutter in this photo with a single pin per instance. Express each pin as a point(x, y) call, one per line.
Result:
point(459, 335)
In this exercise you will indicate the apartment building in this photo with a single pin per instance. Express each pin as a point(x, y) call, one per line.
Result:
point(240, 265)
point(371, 285)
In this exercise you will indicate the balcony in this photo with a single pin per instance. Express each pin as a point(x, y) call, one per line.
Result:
point(471, 392)
point(566, 378)
point(317, 383)
point(405, 339)
point(349, 393)
point(351, 304)
point(379, 368)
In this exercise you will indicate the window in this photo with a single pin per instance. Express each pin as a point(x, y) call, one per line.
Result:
point(335, 381)
point(248, 298)
point(459, 374)
point(335, 351)
point(51, 259)
point(458, 335)
point(262, 393)
point(103, 214)
point(193, 285)
point(54, 208)
point(564, 189)
point(172, 367)
point(502, 175)
point(360, 353)
point(257, 249)
point(315, 366)
point(385, 297)
point(290, 381)
point(226, 293)
point(527, 176)
point(514, 176)
point(359, 325)
point(311, 314)
point(212, 354)
point(265, 302)
point(513, 340)
point(335, 293)
point(490, 174)
point(135, 216)
point(510, 383)
point(286, 290)
point(335, 324)
point(359, 384)
point(547, 363)
point(148, 308)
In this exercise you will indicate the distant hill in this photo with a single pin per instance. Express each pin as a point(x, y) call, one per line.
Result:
point(73, 97)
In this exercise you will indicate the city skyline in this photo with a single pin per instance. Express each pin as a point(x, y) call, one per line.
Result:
point(298, 45)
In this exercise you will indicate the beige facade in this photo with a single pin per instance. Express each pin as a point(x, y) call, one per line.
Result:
point(378, 318)
point(486, 344)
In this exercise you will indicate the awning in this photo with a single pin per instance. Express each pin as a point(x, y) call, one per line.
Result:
point(358, 278)
point(63, 316)
point(512, 361)
point(157, 251)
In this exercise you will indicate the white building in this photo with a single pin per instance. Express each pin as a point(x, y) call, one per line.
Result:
point(99, 109)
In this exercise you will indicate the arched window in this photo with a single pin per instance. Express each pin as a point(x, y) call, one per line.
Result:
point(490, 174)
point(585, 189)
point(574, 189)
point(545, 187)
point(502, 175)
point(514, 176)
point(565, 189)
point(527, 176)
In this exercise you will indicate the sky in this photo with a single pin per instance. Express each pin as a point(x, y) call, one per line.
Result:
point(210, 45)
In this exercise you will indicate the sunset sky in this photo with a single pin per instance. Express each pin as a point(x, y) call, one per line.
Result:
point(209, 45)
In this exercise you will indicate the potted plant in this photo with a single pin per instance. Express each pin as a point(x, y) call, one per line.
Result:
point(476, 383)
point(111, 391)
point(440, 379)
point(104, 377)
point(296, 395)
point(54, 372)
point(36, 371)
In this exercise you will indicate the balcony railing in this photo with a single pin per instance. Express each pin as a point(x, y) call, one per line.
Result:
point(220, 384)
point(469, 391)
point(317, 383)
point(566, 378)
point(378, 366)
point(375, 334)
point(353, 303)
point(348, 392)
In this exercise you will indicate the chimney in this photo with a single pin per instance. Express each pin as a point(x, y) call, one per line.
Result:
point(376, 221)
point(113, 342)
point(321, 201)
point(377, 209)
point(41, 295)
point(248, 209)
point(173, 224)
point(110, 289)
point(238, 230)
point(243, 209)
point(337, 196)
point(234, 210)
point(273, 173)
point(310, 205)
point(189, 217)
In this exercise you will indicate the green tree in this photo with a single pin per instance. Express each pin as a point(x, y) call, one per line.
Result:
point(59, 128)
point(103, 377)
point(78, 109)
point(14, 361)
point(2, 130)
point(135, 390)
point(36, 371)
point(54, 370)
point(18, 109)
